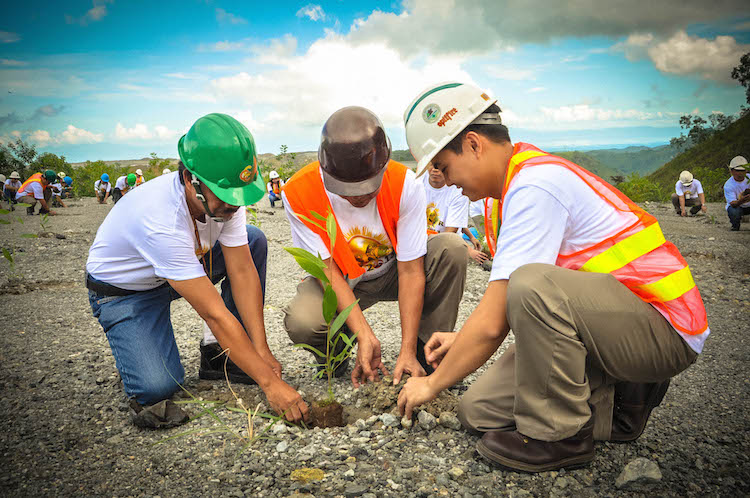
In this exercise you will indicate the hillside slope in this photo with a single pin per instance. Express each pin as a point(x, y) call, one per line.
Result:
point(708, 160)
point(586, 160)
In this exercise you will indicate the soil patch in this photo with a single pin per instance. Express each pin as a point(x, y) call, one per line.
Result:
point(327, 414)
point(17, 286)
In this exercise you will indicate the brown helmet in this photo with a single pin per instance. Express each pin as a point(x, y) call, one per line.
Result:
point(354, 150)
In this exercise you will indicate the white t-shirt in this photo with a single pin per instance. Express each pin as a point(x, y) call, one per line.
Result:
point(270, 190)
point(149, 237)
point(122, 183)
point(733, 191)
point(364, 231)
point(476, 208)
point(548, 210)
point(446, 207)
point(102, 187)
point(57, 186)
point(16, 184)
point(690, 192)
point(33, 189)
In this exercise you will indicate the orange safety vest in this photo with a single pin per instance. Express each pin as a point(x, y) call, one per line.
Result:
point(638, 256)
point(306, 194)
point(138, 180)
point(275, 188)
point(36, 177)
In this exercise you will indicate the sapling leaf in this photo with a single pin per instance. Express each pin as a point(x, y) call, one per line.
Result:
point(329, 303)
point(4, 222)
point(319, 216)
point(4, 211)
point(23, 204)
point(7, 255)
point(305, 218)
point(341, 318)
point(307, 255)
point(29, 235)
point(308, 263)
point(311, 348)
point(331, 228)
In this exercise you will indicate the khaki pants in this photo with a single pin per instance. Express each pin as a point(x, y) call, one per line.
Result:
point(30, 199)
point(445, 275)
point(577, 333)
point(693, 203)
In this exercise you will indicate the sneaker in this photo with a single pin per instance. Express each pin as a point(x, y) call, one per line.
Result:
point(212, 366)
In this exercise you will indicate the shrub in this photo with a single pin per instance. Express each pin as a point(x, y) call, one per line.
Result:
point(641, 189)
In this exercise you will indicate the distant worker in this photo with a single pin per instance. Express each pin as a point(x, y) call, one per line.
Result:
point(688, 193)
point(166, 171)
point(57, 188)
point(737, 192)
point(274, 188)
point(382, 252)
point(10, 188)
point(139, 177)
point(102, 187)
point(190, 235)
point(37, 189)
point(2, 182)
point(604, 311)
point(67, 188)
point(123, 185)
point(448, 211)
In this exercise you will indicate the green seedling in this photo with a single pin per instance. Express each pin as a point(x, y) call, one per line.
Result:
point(315, 266)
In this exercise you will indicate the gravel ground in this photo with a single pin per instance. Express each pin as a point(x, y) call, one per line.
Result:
point(65, 429)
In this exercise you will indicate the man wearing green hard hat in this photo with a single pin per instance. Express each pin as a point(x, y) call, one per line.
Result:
point(122, 186)
point(190, 234)
point(37, 189)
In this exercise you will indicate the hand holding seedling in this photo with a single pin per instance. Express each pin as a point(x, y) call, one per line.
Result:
point(369, 362)
point(286, 401)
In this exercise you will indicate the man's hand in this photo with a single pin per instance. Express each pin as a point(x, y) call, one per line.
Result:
point(417, 391)
point(703, 208)
point(369, 361)
point(477, 245)
point(437, 346)
point(478, 256)
point(271, 361)
point(683, 212)
point(407, 363)
point(287, 402)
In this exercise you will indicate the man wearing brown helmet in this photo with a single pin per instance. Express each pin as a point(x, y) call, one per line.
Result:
point(380, 210)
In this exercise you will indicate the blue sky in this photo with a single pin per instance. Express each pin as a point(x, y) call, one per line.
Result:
point(115, 79)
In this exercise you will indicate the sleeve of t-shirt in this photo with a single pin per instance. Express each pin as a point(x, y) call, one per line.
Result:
point(698, 186)
point(411, 234)
point(303, 237)
point(234, 233)
point(679, 189)
point(268, 187)
point(729, 193)
point(171, 253)
point(458, 212)
point(36, 190)
point(533, 227)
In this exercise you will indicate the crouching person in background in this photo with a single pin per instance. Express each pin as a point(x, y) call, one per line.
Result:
point(190, 234)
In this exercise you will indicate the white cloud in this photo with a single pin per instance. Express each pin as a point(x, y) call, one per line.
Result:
point(9, 37)
point(344, 74)
point(40, 137)
point(73, 135)
point(94, 14)
point(687, 55)
point(227, 17)
point(12, 63)
point(183, 76)
point(41, 82)
point(277, 52)
point(585, 112)
point(223, 46)
point(141, 132)
point(314, 12)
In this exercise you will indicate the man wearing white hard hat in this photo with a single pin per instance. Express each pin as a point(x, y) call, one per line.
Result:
point(274, 187)
point(737, 192)
point(10, 187)
point(139, 177)
point(688, 193)
point(166, 171)
point(603, 309)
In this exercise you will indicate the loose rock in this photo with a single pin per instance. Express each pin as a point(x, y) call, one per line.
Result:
point(639, 471)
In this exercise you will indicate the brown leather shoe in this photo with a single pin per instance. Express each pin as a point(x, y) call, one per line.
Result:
point(518, 452)
point(633, 405)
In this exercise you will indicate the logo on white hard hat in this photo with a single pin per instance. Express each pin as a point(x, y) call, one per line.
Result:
point(431, 113)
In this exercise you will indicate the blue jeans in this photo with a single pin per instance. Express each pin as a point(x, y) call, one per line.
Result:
point(272, 198)
point(139, 328)
point(735, 215)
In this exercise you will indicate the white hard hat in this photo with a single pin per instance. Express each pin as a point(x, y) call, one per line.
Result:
point(738, 163)
point(2, 178)
point(166, 171)
point(61, 174)
point(273, 175)
point(439, 114)
point(139, 172)
point(686, 178)
point(15, 176)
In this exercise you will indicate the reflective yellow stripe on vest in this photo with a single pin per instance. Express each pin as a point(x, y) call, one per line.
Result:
point(517, 159)
point(627, 250)
point(670, 287)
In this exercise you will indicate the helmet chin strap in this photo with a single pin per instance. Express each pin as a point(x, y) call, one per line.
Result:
point(199, 194)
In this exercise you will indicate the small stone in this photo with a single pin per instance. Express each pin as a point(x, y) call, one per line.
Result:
point(360, 424)
point(352, 430)
point(442, 480)
point(406, 423)
point(349, 474)
point(354, 490)
point(282, 446)
point(641, 470)
point(389, 420)
point(455, 473)
point(371, 420)
point(279, 428)
point(450, 421)
point(520, 493)
point(360, 440)
point(426, 420)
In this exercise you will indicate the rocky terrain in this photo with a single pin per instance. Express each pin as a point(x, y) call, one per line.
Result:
point(65, 428)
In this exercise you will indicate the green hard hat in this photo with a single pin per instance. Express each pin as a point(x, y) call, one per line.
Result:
point(50, 176)
point(130, 179)
point(220, 151)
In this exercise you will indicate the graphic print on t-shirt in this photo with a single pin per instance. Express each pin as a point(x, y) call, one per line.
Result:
point(433, 217)
point(370, 250)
